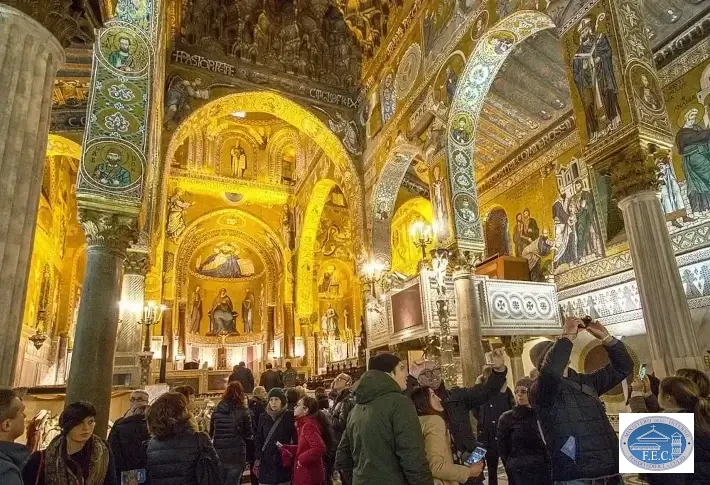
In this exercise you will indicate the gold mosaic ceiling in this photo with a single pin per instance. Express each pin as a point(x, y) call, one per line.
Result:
point(530, 93)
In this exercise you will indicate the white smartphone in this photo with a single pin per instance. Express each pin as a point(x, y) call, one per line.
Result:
point(476, 456)
point(489, 358)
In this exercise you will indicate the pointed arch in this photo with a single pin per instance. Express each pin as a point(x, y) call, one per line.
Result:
point(481, 69)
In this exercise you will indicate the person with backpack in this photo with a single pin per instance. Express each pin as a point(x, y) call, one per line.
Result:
point(230, 429)
point(177, 453)
point(77, 455)
point(315, 443)
point(276, 424)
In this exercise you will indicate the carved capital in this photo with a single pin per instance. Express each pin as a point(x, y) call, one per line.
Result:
point(61, 19)
point(464, 261)
point(136, 263)
point(113, 231)
point(634, 169)
point(513, 345)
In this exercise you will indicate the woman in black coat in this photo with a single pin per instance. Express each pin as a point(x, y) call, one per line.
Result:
point(520, 443)
point(230, 428)
point(268, 456)
point(176, 444)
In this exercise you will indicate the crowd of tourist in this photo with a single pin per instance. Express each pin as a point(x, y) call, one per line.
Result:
point(389, 427)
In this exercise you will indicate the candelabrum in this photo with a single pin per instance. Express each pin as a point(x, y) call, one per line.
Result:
point(422, 235)
point(440, 263)
point(152, 314)
point(371, 274)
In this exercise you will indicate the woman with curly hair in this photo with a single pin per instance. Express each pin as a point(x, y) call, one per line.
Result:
point(230, 429)
point(76, 457)
point(176, 445)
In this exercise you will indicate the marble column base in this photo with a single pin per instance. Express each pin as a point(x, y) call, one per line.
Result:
point(468, 314)
point(669, 326)
point(91, 371)
point(29, 59)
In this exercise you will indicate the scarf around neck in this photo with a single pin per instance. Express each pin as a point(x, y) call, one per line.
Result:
point(58, 472)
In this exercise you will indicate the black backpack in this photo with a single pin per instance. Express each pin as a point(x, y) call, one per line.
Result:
point(207, 469)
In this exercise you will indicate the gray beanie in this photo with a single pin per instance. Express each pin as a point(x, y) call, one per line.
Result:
point(539, 351)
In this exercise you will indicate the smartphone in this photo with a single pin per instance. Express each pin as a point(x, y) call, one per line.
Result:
point(278, 444)
point(586, 321)
point(489, 358)
point(476, 456)
point(642, 371)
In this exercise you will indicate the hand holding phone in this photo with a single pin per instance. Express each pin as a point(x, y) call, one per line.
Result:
point(642, 372)
point(477, 456)
point(278, 444)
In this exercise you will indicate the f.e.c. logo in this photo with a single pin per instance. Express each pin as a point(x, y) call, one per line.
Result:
point(656, 443)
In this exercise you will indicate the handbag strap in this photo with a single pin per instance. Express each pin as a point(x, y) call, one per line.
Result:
point(41, 466)
point(272, 431)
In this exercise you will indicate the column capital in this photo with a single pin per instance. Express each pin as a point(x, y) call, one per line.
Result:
point(513, 345)
point(464, 261)
point(635, 168)
point(106, 229)
point(136, 262)
point(54, 23)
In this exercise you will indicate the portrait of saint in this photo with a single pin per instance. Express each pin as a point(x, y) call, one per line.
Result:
point(177, 207)
point(466, 210)
point(439, 199)
point(226, 263)
point(671, 195)
point(248, 311)
point(462, 131)
point(525, 232)
point(329, 284)
point(121, 58)
point(693, 143)
point(238, 161)
point(222, 316)
point(382, 214)
point(647, 94)
point(111, 172)
point(196, 311)
point(594, 77)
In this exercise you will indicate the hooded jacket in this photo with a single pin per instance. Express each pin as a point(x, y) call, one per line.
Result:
point(12, 457)
point(308, 457)
point(383, 441)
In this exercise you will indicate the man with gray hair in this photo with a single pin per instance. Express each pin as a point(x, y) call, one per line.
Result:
point(12, 425)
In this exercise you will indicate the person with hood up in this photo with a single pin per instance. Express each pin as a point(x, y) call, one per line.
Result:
point(519, 441)
point(12, 425)
point(129, 435)
point(230, 428)
point(243, 375)
point(383, 441)
point(582, 445)
point(275, 425)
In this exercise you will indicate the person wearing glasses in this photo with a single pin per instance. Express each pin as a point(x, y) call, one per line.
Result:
point(520, 443)
point(129, 436)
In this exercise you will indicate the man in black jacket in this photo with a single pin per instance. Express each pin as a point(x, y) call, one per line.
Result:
point(580, 440)
point(129, 436)
point(242, 374)
point(12, 426)
point(270, 378)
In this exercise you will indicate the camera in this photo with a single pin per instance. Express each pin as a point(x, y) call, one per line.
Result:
point(586, 321)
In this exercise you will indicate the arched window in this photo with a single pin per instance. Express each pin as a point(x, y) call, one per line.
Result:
point(389, 98)
point(497, 238)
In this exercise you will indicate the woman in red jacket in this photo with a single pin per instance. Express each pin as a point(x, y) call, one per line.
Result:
point(315, 443)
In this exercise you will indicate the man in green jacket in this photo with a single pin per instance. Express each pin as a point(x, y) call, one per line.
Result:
point(383, 442)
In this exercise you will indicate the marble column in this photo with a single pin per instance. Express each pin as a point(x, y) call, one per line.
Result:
point(468, 314)
point(514, 349)
point(29, 59)
point(669, 326)
point(128, 342)
point(91, 373)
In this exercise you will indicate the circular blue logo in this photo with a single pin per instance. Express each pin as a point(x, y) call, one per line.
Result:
point(656, 443)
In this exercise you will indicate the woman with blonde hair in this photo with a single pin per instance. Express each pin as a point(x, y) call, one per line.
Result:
point(176, 445)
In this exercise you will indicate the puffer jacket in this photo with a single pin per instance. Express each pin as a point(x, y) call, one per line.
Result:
point(521, 447)
point(383, 441)
point(173, 461)
point(573, 417)
point(308, 457)
point(271, 469)
point(230, 428)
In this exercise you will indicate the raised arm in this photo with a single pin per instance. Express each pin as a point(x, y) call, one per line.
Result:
point(620, 365)
point(480, 393)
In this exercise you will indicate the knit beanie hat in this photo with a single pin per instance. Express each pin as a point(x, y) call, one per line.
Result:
point(384, 362)
point(525, 382)
point(539, 351)
point(277, 392)
point(74, 414)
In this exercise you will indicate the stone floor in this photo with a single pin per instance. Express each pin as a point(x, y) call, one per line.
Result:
point(628, 479)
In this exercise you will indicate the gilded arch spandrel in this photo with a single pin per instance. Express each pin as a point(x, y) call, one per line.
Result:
point(484, 63)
